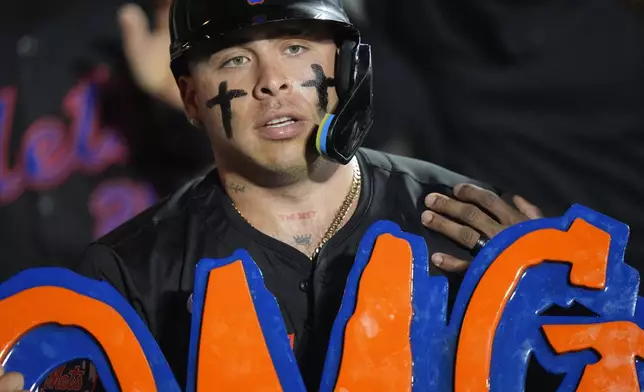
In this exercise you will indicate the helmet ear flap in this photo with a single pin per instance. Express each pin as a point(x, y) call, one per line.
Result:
point(341, 133)
point(345, 68)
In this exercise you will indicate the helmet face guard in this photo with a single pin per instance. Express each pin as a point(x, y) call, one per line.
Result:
point(212, 24)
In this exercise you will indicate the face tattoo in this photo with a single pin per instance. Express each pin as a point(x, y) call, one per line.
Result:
point(223, 99)
point(321, 84)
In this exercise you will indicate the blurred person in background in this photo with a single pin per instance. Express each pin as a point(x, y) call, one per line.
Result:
point(92, 130)
point(544, 97)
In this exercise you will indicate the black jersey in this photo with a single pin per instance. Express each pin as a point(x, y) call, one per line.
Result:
point(152, 259)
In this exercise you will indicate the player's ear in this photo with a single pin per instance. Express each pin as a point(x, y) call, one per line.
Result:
point(188, 92)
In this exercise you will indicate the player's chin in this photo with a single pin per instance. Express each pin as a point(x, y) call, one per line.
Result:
point(293, 156)
point(288, 157)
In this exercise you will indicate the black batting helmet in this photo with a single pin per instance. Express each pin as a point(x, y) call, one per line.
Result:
point(208, 23)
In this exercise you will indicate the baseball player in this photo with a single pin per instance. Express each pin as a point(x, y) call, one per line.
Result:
point(283, 88)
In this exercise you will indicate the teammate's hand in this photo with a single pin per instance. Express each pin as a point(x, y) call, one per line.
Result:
point(474, 211)
point(11, 382)
point(147, 51)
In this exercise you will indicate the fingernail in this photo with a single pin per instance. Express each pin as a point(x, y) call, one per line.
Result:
point(427, 217)
point(431, 199)
point(437, 260)
point(457, 189)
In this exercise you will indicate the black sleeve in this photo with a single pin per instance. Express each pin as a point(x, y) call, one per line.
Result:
point(101, 262)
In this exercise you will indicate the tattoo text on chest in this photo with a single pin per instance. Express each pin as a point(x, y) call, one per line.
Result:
point(297, 216)
point(236, 188)
point(303, 239)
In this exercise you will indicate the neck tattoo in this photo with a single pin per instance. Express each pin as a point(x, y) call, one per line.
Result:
point(236, 188)
point(339, 217)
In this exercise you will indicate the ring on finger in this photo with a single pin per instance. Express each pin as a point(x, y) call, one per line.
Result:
point(480, 243)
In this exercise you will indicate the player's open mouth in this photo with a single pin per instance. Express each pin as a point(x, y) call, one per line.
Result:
point(280, 122)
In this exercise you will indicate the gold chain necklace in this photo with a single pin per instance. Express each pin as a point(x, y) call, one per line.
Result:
point(340, 216)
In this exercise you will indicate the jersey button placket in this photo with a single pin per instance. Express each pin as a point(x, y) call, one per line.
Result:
point(305, 286)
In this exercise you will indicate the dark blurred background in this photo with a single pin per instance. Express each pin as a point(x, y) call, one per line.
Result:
point(543, 98)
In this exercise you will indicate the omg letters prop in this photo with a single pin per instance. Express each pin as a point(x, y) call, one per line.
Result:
point(393, 331)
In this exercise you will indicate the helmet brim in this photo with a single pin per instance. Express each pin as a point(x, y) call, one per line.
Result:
point(216, 35)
